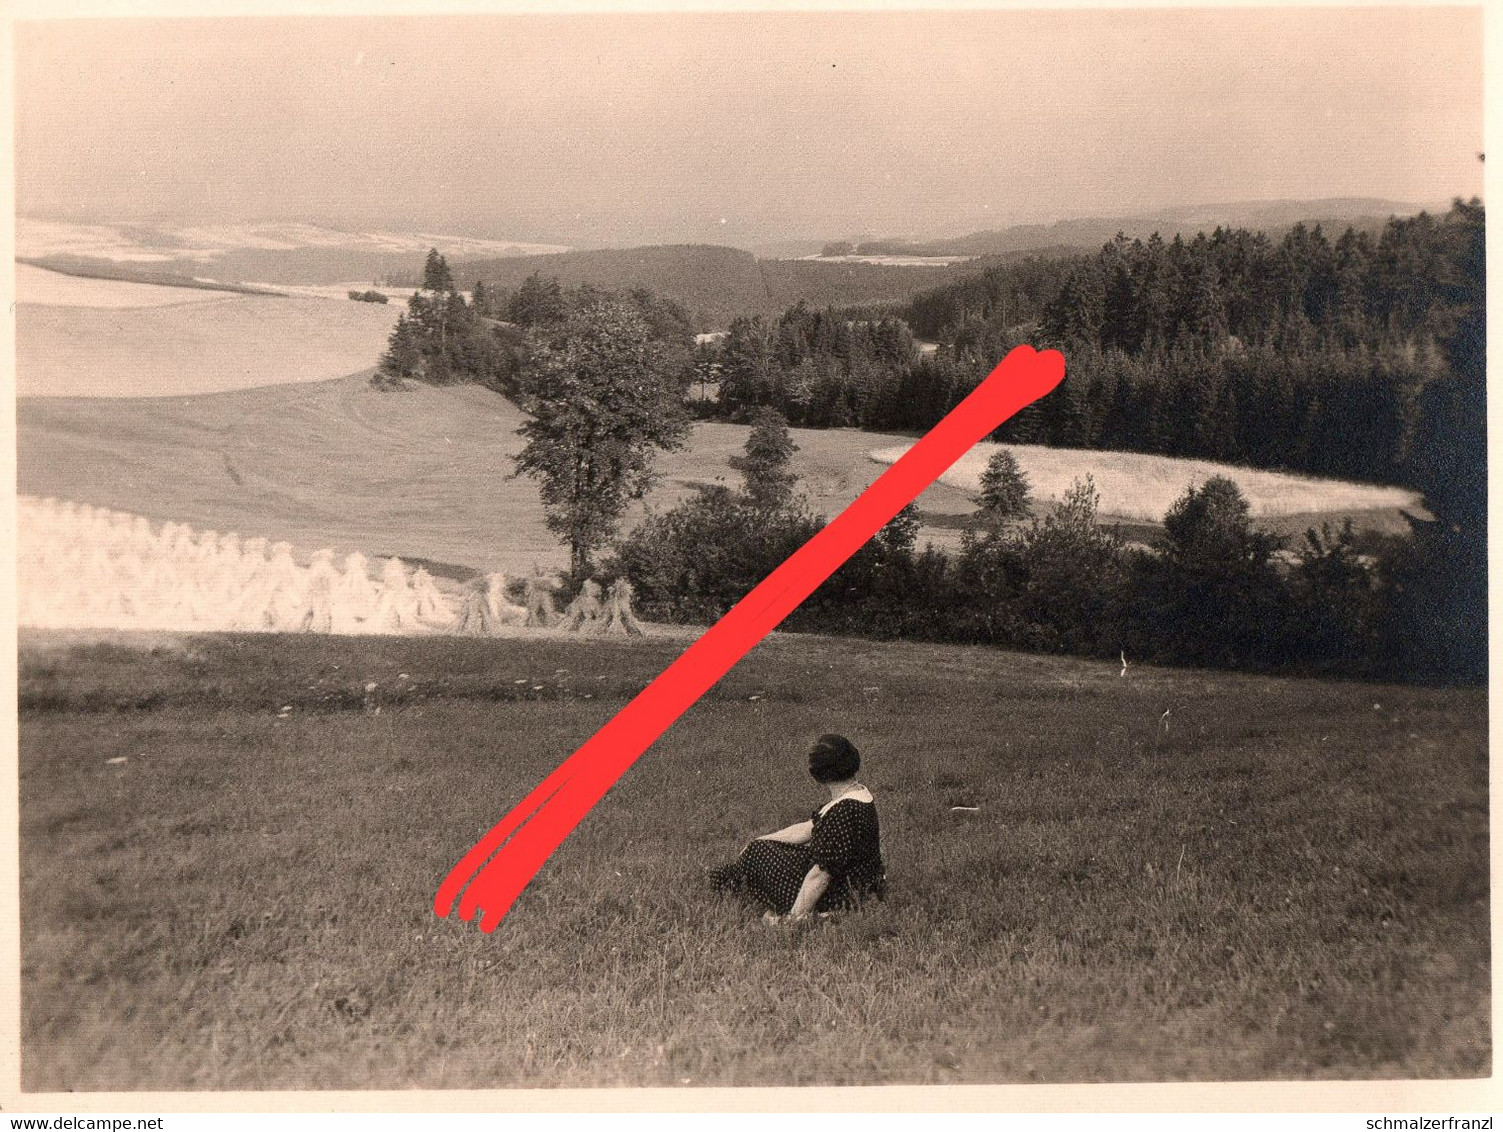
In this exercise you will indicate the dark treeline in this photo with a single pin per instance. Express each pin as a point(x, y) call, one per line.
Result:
point(835, 368)
point(819, 368)
point(1362, 358)
point(714, 284)
point(1214, 594)
point(1302, 354)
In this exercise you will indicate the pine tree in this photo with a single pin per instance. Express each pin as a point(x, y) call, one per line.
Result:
point(1071, 569)
point(746, 366)
point(539, 301)
point(436, 274)
point(1005, 493)
point(769, 449)
point(403, 357)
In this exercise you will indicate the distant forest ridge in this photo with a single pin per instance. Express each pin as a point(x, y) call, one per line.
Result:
point(716, 284)
point(1274, 218)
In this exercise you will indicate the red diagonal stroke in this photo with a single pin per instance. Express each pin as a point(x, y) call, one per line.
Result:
point(494, 872)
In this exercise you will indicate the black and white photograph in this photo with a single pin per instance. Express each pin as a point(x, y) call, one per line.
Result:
point(399, 395)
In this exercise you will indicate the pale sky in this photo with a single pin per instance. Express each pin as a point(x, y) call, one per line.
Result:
point(647, 128)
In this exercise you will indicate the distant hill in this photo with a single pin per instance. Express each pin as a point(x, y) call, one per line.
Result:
point(85, 268)
point(243, 253)
point(1089, 233)
point(716, 284)
point(786, 249)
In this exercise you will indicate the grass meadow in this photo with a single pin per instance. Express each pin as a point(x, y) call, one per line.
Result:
point(227, 868)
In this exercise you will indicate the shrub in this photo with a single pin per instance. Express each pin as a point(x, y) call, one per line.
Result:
point(1072, 576)
point(1214, 596)
point(1337, 606)
point(691, 564)
point(884, 590)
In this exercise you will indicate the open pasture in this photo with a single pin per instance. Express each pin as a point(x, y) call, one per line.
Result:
point(227, 869)
point(1143, 487)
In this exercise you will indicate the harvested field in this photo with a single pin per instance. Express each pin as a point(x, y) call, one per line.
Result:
point(206, 343)
point(423, 474)
point(1134, 485)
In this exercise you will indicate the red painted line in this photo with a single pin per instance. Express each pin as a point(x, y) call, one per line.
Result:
point(493, 873)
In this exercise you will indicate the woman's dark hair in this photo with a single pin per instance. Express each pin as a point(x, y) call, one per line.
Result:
point(833, 759)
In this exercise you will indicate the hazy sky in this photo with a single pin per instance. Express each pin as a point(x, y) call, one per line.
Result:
point(743, 127)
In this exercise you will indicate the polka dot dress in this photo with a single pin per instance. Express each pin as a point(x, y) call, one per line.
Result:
point(846, 843)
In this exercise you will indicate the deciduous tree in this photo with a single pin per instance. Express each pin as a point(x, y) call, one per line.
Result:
point(605, 404)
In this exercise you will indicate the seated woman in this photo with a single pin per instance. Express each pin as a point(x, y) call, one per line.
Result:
point(831, 861)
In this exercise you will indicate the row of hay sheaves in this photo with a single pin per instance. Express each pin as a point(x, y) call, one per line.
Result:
point(81, 566)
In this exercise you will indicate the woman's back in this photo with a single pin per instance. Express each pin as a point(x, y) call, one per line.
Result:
point(847, 844)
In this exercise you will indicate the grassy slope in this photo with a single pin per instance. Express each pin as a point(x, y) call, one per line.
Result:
point(421, 473)
point(1291, 883)
point(202, 347)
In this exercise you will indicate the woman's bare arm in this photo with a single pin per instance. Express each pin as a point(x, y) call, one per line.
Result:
point(798, 834)
point(815, 883)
